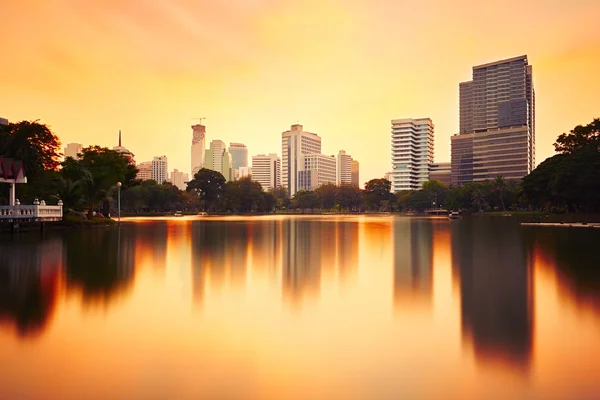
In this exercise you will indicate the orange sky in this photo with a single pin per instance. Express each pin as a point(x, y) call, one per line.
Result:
point(253, 67)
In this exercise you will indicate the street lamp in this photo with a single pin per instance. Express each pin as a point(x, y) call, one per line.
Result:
point(119, 200)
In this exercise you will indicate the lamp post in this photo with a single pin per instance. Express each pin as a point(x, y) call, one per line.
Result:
point(119, 201)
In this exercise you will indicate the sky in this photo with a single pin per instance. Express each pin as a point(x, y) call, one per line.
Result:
point(342, 69)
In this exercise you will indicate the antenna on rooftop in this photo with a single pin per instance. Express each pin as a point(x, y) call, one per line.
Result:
point(200, 119)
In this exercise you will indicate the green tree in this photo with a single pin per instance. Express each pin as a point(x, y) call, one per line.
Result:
point(377, 191)
point(305, 200)
point(436, 191)
point(326, 195)
point(580, 138)
point(282, 197)
point(478, 198)
point(499, 187)
point(208, 185)
point(349, 198)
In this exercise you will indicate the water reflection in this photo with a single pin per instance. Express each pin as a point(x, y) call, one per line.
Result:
point(100, 263)
point(265, 243)
point(413, 261)
point(495, 289)
point(574, 254)
point(29, 282)
point(304, 247)
point(347, 244)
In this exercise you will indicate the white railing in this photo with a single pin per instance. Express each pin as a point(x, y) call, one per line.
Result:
point(31, 211)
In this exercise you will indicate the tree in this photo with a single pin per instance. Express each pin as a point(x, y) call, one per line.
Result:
point(499, 186)
point(326, 195)
point(282, 197)
point(98, 170)
point(208, 185)
point(478, 198)
point(376, 192)
point(436, 191)
point(305, 199)
point(349, 198)
point(580, 138)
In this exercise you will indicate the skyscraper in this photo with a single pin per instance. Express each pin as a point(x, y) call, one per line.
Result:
point(266, 170)
point(316, 170)
point(239, 155)
point(159, 169)
point(497, 123)
point(412, 152)
point(3, 121)
point(344, 169)
point(217, 158)
point(355, 175)
point(72, 150)
point(179, 179)
point(294, 144)
point(198, 147)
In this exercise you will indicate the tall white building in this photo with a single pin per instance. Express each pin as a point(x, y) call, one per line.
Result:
point(266, 170)
point(198, 147)
point(73, 149)
point(344, 169)
point(144, 170)
point(217, 158)
point(412, 152)
point(318, 170)
point(179, 179)
point(294, 144)
point(159, 169)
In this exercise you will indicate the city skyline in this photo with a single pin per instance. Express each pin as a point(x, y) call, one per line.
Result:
point(146, 71)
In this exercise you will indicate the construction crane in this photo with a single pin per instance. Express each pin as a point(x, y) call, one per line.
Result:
point(199, 119)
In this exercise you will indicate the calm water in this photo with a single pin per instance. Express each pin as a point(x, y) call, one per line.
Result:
point(301, 308)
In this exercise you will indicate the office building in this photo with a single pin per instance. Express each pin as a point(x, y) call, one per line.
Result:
point(198, 147)
point(3, 121)
point(144, 171)
point(389, 176)
point(295, 143)
point(497, 123)
point(243, 172)
point(344, 169)
point(217, 158)
point(72, 150)
point(124, 152)
point(355, 176)
point(159, 169)
point(179, 179)
point(412, 152)
point(440, 172)
point(266, 170)
point(239, 155)
point(317, 170)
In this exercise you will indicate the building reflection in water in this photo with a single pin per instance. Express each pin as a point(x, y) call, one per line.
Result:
point(219, 254)
point(150, 243)
point(29, 282)
point(303, 248)
point(100, 263)
point(347, 248)
point(265, 239)
point(495, 289)
point(413, 261)
point(573, 254)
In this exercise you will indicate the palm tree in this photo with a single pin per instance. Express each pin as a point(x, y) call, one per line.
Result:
point(499, 186)
point(478, 199)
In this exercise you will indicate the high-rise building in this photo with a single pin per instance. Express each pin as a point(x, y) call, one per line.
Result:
point(412, 152)
point(355, 176)
point(497, 123)
point(318, 170)
point(294, 144)
point(389, 177)
point(440, 172)
point(3, 121)
point(266, 170)
point(217, 158)
point(124, 152)
point(144, 170)
point(239, 155)
point(159, 169)
point(243, 172)
point(344, 169)
point(198, 147)
point(179, 179)
point(72, 150)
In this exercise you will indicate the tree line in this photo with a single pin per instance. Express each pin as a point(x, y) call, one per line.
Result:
point(566, 182)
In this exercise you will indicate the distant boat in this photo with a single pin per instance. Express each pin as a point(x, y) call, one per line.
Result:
point(178, 214)
point(454, 215)
point(202, 214)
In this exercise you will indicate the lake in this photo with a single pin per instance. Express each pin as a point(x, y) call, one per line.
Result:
point(301, 307)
